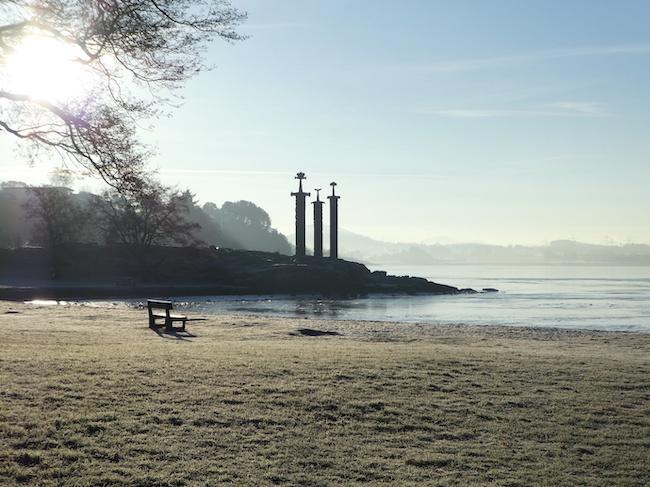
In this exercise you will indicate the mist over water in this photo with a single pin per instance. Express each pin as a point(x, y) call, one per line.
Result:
point(577, 297)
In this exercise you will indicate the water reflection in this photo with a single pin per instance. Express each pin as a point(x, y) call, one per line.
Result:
point(611, 298)
point(605, 298)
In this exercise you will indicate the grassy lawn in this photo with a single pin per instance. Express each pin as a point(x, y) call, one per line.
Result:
point(93, 397)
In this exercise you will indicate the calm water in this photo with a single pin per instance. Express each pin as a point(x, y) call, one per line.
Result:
point(601, 298)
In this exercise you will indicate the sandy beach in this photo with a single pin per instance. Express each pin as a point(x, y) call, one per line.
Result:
point(92, 396)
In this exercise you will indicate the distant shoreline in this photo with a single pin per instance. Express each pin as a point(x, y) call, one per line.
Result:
point(509, 264)
point(63, 292)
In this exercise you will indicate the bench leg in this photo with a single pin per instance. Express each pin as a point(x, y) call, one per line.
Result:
point(168, 325)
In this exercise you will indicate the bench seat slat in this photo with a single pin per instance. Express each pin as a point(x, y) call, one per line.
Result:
point(155, 306)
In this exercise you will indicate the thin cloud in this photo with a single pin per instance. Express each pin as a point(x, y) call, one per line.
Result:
point(288, 174)
point(274, 25)
point(223, 172)
point(559, 109)
point(462, 65)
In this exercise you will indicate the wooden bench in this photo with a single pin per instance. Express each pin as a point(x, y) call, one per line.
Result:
point(155, 306)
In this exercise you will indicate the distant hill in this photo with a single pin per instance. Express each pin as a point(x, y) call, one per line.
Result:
point(352, 245)
point(369, 250)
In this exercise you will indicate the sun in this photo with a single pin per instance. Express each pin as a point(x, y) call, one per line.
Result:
point(45, 69)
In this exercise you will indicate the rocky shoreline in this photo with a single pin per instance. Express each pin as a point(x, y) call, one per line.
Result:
point(89, 272)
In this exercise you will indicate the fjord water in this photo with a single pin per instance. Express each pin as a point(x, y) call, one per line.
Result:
point(578, 297)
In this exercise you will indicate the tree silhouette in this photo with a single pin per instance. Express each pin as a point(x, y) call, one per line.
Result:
point(140, 52)
point(246, 213)
point(244, 225)
point(155, 216)
point(57, 217)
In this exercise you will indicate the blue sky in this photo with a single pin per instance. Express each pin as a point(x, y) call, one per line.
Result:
point(499, 121)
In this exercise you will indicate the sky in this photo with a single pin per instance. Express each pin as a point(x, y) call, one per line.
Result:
point(465, 121)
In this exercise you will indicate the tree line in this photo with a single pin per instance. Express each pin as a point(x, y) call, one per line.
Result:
point(138, 54)
point(53, 215)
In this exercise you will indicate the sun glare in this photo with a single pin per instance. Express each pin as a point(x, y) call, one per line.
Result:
point(45, 69)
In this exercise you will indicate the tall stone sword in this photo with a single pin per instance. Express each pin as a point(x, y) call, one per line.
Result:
point(300, 196)
point(334, 222)
point(318, 225)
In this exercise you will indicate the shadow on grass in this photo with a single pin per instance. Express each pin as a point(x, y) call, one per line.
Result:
point(313, 333)
point(172, 335)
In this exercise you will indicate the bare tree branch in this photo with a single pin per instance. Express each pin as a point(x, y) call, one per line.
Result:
point(126, 45)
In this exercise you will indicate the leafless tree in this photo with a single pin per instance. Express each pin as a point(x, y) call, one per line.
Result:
point(140, 220)
point(154, 216)
point(139, 51)
point(56, 216)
